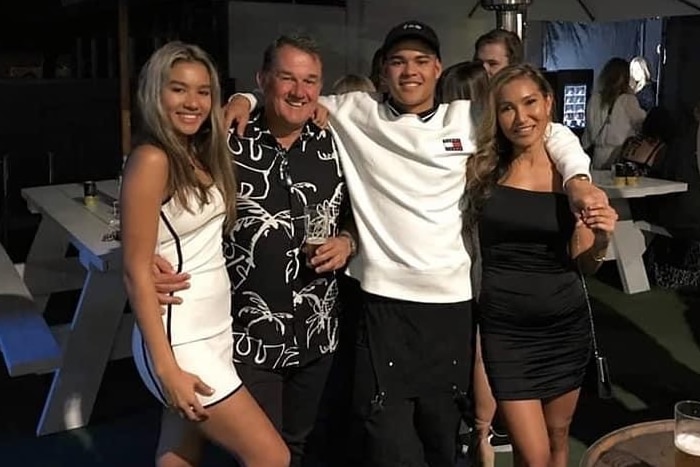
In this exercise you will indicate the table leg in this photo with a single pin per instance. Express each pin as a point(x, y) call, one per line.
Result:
point(47, 269)
point(75, 384)
point(629, 245)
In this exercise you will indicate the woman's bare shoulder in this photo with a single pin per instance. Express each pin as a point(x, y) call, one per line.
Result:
point(149, 153)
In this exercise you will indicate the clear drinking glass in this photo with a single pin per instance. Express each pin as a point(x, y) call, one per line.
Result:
point(316, 229)
point(114, 225)
point(687, 433)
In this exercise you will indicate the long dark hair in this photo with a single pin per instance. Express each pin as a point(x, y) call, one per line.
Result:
point(613, 81)
point(494, 151)
point(465, 80)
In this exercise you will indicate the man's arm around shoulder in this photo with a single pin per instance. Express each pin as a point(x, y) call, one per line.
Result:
point(573, 164)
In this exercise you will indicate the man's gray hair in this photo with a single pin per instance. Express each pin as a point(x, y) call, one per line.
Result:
point(301, 41)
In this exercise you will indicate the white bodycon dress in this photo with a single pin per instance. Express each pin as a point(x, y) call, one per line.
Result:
point(199, 329)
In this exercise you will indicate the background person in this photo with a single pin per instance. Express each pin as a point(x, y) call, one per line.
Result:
point(533, 320)
point(177, 191)
point(376, 71)
point(351, 83)
point(642, 84)
point(497, 49)
point(469, 81)
point(613, 114)
point(647, 149)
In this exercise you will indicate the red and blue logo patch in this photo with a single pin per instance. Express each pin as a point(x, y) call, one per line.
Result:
point(452, 144)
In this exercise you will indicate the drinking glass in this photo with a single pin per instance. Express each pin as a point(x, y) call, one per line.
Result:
point(686, 435)
point(114, 225)
point(316, 229)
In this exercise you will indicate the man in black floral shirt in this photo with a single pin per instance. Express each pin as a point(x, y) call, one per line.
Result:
point(285, 313)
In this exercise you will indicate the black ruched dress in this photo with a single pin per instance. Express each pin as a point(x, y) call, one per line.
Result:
point(535, 335)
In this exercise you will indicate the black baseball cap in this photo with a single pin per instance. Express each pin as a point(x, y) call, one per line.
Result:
point(412, 30)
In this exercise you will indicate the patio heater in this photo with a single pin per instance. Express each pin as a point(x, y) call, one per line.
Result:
point(511, 15)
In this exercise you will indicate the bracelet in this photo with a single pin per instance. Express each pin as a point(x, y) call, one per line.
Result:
point(353, 243)
point(581, 177)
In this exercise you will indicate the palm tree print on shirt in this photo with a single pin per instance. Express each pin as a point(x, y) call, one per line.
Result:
point(283, 312)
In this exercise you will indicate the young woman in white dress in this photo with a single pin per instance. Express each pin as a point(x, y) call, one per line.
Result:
point(178, 194)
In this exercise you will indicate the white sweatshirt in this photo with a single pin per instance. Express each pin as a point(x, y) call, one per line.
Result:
point(406, 178)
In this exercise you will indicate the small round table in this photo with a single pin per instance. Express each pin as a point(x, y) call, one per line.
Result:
point(643, 444)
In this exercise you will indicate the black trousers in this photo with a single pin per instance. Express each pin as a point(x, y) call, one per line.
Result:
point(412, 381)
point(290, 397)
point(333, 442)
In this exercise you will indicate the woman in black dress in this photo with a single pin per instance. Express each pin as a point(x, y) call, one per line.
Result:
point(533, 321)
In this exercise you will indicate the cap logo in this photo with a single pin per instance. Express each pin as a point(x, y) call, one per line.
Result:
point(412, 26)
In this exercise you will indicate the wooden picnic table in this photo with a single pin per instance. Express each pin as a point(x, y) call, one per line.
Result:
point(99, 329)
point(632, 236)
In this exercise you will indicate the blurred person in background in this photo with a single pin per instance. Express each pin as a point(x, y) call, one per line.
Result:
point(352, 83)
point(464, 80)
point(497, 49)
point(648, 148)
point(470, 81)
point(613, 114)
point(376, 72)
point(641, 83)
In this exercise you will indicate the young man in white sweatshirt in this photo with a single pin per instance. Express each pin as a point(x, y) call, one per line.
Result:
point(404, 162)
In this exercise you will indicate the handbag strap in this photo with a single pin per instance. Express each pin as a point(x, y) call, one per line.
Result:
point(594, 339)
point(653, 153)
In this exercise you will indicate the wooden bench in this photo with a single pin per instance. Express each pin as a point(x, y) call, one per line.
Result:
point(26, 342)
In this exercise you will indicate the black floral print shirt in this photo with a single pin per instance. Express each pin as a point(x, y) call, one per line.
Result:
point(284, 314)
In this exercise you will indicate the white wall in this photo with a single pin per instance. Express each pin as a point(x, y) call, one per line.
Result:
point(349, 36)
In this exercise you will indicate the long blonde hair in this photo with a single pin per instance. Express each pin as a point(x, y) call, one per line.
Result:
point(643, 65)
point(494, 153)
point(208, 146)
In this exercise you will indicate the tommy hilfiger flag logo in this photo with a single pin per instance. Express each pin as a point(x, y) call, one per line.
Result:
point(452, 144)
